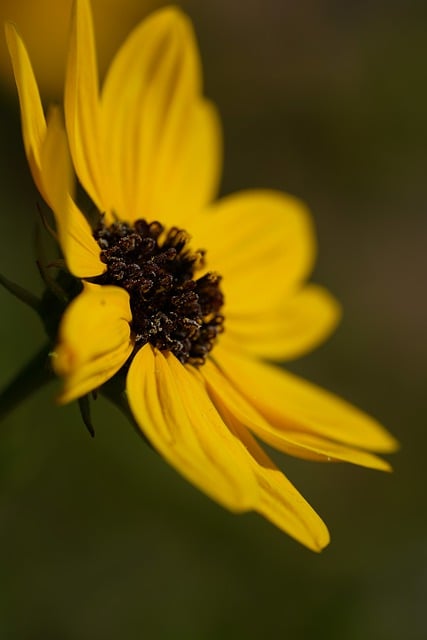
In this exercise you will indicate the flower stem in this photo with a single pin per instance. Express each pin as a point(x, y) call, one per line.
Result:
point(35, 374)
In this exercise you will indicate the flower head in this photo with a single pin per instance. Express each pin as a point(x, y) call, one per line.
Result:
point(183, 297)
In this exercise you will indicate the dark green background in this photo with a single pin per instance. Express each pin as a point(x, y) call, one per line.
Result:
point(100, 539)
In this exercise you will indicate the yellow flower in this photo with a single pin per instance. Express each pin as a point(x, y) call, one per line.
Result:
point(186, 297)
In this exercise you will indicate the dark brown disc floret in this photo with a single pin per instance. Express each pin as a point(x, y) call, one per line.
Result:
point(171, 308)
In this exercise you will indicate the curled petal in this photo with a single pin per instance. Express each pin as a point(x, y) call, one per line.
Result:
point(94, 340)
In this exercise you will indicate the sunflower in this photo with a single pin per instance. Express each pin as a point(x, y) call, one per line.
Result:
point(184, 298)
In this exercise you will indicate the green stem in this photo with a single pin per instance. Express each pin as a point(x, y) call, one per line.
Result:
point(31, 378)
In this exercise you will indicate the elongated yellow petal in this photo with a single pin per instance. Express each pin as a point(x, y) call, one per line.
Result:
point(299, 324)
point(303, 445)
point(307, 446)
point(94, 340)
point(261, 242)
point(280, 502)
point(154, 123)
point(293, 405)
point(177, 416)
point(47, 153)
point(82, 110)
point(55, 163)
point(80, 250)
point(32, 117)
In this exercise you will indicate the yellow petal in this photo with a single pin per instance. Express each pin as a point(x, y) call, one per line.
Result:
point(82, 109)
point(32, 117)
point(303, 445)
point(314, 447)
point(55, 163)
point(200, 166)
point(175, 413)
point(192, 181)
point(80, 250)
point(78, 244)
point(293, 405)
point(261, 242)
point(94, 340)
point(154, 124)
point(285, 507)
point(280, 502)
point(47, 154)
point(300, 323)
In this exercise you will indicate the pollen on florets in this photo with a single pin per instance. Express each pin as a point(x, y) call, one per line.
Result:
point(171, 308)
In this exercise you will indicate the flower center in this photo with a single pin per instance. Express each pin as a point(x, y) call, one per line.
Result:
point(171, 308)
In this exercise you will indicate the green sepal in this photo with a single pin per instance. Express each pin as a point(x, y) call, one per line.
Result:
point(85, 412)
point(114, 390)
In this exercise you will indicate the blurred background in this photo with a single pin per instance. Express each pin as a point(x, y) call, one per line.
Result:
point(327, 100)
